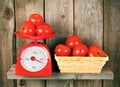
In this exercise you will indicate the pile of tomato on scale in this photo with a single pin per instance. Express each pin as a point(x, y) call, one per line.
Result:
point(35, 26)
point(74, 46)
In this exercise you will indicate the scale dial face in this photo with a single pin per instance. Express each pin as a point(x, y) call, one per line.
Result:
point(34, 58)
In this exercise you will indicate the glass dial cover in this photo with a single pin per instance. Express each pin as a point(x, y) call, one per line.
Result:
point(34, 58)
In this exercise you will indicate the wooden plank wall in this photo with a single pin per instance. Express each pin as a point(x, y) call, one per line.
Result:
point(95, 21)
point(6, 37)
point(112, 38)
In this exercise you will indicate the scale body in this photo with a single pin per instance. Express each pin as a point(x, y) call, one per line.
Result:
point(34, 59)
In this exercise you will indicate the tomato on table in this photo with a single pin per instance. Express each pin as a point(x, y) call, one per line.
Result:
point(27, 28)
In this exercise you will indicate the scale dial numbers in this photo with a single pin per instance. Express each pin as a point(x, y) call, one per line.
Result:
point(34, 58)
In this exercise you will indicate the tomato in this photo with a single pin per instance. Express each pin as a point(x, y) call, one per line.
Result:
point(96, 51)
point(27, 28)
point(44, 29)
point(80, 50)
point(73, 41)
point(36, 19)
point(62, 50)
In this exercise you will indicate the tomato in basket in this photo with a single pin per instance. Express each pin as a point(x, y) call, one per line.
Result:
point(62, 50)
point(73, 41)
point(96, 51)
point(80, 50)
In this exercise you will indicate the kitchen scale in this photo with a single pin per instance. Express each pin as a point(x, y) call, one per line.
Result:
point(34, 59)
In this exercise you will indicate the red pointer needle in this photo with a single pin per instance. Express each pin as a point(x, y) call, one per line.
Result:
point(34, 59)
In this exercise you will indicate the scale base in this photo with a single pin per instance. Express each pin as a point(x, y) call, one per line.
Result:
point(20, 71)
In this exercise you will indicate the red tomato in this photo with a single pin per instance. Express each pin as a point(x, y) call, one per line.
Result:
point(80, 50)
point(44, 29)
point(36, 19)
point(27, 28)
point(96, 51)
point(73, 41)
point(62, 50)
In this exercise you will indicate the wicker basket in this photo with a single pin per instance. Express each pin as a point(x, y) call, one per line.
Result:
point(70, 64)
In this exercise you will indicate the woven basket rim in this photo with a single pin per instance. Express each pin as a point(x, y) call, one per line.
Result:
point(81, 58)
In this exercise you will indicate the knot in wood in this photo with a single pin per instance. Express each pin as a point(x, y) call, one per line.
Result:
point(8, 13)
point(62, 16)
point(22, 82)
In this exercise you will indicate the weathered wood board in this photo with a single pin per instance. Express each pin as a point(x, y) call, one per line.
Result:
point(6, 37)
point(95, 21)
point(105, 74)
point(112, 38)
point(88, 24)
point(59, 14)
